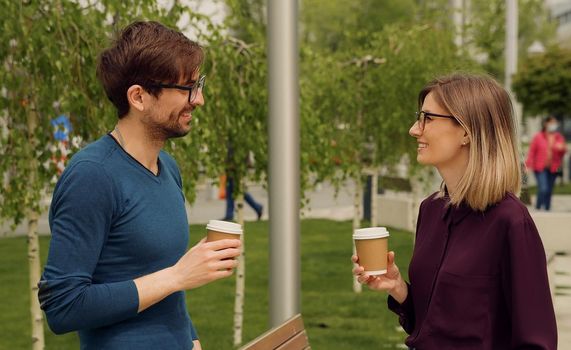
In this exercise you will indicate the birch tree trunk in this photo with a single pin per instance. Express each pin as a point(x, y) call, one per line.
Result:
point(374, 190)
point(33, 242)
point(240, 278)
point(34, 267)
point(357, 200)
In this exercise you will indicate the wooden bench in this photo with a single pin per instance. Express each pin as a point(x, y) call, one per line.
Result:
point(290, 335)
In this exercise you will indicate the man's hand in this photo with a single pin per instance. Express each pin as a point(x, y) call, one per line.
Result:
point(206, 262)
point(202, 264)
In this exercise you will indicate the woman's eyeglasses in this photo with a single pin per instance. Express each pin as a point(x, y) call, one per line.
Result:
point(422, 115)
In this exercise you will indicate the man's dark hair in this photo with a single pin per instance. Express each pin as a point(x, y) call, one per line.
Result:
point(146, 53)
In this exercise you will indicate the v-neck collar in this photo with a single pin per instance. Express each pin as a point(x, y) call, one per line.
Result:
point(159, 167)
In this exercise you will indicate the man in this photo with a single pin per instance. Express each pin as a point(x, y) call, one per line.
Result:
point(117, 268)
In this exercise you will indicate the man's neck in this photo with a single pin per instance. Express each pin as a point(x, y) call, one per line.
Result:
point(136, 141)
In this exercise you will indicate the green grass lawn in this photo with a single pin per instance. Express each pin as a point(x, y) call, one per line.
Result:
point(335, 317)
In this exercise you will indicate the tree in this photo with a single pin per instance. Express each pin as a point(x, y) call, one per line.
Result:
point(234, 117)
point(543, 84)
point(341, 25)
point(358, 100)
point(485, 30)
point(237, 130)
point(48, 68)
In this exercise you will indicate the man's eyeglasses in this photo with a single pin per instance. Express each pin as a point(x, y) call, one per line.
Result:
point(192, 89)
point(422, 116)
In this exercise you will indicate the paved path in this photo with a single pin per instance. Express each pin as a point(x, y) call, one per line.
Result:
point(323, 204)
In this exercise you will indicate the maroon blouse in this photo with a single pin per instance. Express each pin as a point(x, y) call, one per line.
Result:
point(478, 280)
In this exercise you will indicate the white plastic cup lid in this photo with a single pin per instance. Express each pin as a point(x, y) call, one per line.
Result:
point(371, 233)
point(224, 226)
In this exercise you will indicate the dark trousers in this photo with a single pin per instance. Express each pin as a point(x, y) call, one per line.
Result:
point(230, 200)
point(545, 182)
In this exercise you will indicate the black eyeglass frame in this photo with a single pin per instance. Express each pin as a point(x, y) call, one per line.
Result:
point(192, 89)
point(421, 117)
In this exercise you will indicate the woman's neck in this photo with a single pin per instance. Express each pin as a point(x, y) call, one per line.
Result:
point(452, 175)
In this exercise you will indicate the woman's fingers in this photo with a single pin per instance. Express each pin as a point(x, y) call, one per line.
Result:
point(363, 278)
point(358, 270)
point(391, 258)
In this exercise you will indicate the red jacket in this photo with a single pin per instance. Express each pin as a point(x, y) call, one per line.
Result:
point(537, 155)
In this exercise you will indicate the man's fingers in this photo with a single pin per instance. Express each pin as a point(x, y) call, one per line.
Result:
point(227, 253)
point(226, 264)
point(223, 244)
point(222, 274)
point(355, 259)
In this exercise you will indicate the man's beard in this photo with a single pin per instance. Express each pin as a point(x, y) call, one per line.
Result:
point(171, 128)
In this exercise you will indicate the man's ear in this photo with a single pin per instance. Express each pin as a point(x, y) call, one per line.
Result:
point(135, 97)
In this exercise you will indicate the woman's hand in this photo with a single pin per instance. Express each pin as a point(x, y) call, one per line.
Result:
point(390, 282)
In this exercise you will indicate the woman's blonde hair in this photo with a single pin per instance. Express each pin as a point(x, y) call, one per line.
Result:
point(484, 109)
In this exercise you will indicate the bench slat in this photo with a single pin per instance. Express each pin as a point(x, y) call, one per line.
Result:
point(297, 342)
point(275, 337)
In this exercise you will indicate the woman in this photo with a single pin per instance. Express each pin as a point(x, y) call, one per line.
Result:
point(478, 277)
point(544, 158)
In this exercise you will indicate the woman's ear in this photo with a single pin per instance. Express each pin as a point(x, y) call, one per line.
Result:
point(465, 139)
point(135, 97)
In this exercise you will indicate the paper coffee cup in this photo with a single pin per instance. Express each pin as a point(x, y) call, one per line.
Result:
point(217, 229)
point(372, 248)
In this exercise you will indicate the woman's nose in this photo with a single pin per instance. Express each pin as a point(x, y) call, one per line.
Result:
point(414, 130)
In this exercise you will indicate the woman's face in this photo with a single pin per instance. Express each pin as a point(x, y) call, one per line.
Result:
point(443, 142)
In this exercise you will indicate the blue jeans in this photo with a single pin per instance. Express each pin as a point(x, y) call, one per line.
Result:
point(545, 181)
point(230, 201)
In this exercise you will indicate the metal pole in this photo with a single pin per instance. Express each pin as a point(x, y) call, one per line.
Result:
point(284, 158)
point(511, 42)
point(511, 62)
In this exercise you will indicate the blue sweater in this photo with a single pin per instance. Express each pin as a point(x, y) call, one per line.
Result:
point(112, 220)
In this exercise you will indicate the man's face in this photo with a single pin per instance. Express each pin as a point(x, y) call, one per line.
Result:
point(171, 114)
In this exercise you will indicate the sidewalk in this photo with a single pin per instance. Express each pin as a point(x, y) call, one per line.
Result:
point(322, 204)
point(562, 302)
point(561, 265)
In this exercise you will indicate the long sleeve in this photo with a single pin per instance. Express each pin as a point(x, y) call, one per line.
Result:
point(526, 288)
point(81, 214)
point(405, 311)
point(561, 140)
point(530, 161)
